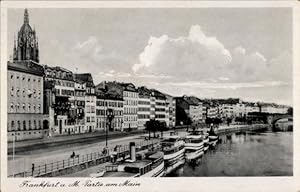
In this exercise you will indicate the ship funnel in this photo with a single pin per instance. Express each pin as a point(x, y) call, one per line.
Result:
point(132, 151)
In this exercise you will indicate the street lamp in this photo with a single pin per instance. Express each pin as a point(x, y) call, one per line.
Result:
point(110, 117)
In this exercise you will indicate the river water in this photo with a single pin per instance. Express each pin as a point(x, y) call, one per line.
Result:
point(245, 154)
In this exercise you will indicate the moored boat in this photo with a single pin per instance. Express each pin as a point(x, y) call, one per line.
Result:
point(213, 137)
point(205, 141)
point(173, 149)
point(194, 146)
point(147, 164)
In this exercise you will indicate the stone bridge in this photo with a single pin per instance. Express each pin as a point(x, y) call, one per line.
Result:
point(273, 118)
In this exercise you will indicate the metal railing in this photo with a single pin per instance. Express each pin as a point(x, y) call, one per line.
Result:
point(99, 157)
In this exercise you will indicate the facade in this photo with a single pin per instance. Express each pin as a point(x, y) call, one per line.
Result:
point(212, 111)
point(228, 110)
point(144, 107)
point(25, 101)
point(252, 107)
point(273, 108)
point(160, 106)
point(130, 96)
point(195, 111)
point(78, 105)
point(170, 111)
point(189, 107)
point(240, 109)
point(62, 116)
point(107, 101)
point(90, 101)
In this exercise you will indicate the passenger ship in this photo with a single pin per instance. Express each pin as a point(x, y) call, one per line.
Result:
point(146, 164)
point(213, 137)
point(194, 146)
point(173, 149)
point(205, 141)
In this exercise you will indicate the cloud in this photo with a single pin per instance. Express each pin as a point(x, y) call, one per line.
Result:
point(205, 85)
point(95, 57)
point(199, 57)
point(195, 55)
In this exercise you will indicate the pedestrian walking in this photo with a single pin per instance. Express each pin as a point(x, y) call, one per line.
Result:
point(32, 169)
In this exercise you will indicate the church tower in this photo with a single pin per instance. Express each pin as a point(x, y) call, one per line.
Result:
point(26, 46)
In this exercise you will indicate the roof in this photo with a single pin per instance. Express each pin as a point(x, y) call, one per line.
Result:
point(144, 91)
point(85, 77)
point(157, 94)
point(58, 73)
point(27, 66)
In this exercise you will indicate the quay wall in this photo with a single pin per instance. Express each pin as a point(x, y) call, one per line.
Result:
point(228, 130)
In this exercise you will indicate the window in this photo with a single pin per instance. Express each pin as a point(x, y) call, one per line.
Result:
point(24, 125)
point(29, 125)
point(18, 92)
point(87, 119)
point(18, 107)
point(19, 126)
point(24, 108)
point(23, 93)
point(12, 91)
point(34, 124)
point(28, 79)
point(39, 108)
point(40, 125)
point(34, 108)
point(12, 125)
point(11, 107)
point(29, 107)
point(12, 76)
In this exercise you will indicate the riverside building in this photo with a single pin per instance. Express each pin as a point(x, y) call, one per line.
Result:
point(25, 88)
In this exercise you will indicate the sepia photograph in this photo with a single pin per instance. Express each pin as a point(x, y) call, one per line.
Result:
point(104, 92)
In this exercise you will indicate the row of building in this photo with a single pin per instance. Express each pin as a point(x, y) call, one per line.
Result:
point(47, 101)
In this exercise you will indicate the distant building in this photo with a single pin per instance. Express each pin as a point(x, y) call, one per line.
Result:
point(60, 92)
point(129, 93)
point(188, 108)
point(107, 100)
point(90, 101)
point(273, 108)
point(79, 105)
point(240, 109)
point(212, 111)
point(160, 105)
point(251, 107)
point(170, 111)
point(143, 106)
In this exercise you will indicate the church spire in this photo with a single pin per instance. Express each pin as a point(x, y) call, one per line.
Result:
point(26, 17)
point(26, 47)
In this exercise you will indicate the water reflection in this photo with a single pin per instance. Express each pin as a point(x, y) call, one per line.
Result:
point(245, 154)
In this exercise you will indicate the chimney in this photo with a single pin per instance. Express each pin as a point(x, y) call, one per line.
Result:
point(132, 151)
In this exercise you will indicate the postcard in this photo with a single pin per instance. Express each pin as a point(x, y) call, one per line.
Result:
point(149, 96)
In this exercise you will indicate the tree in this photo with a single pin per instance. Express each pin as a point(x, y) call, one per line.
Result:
point(228, 120)
point(152, 126)
point(162, 126)
point(148, 127)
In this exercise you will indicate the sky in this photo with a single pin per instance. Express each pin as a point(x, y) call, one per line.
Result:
point(204, 52)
